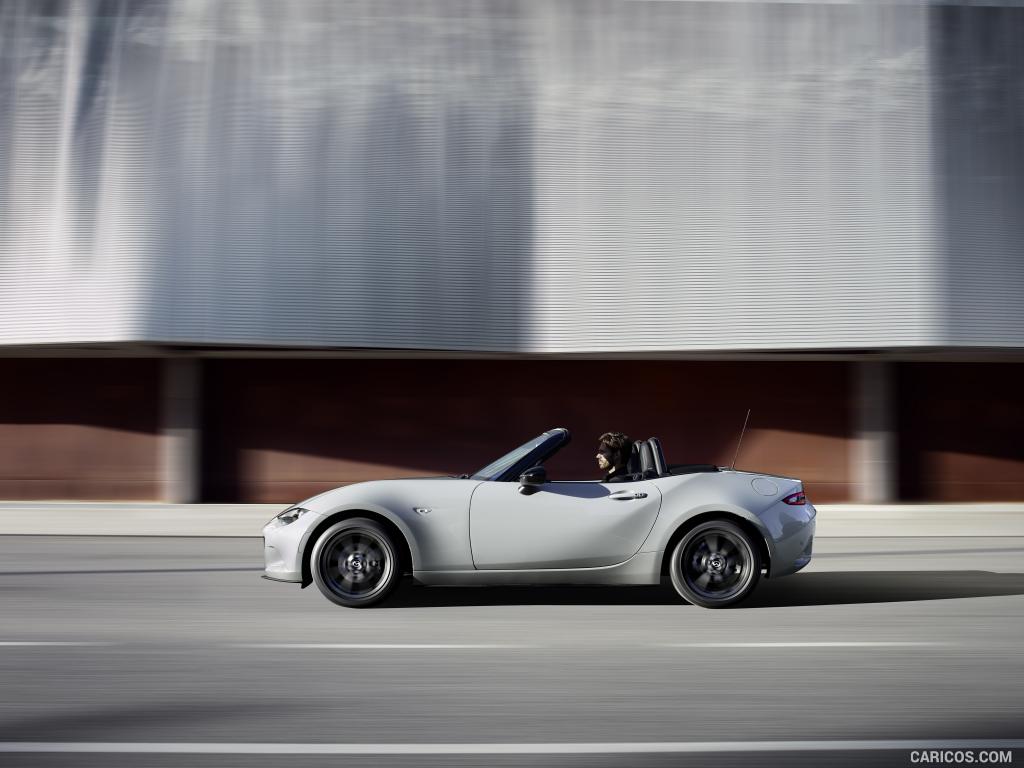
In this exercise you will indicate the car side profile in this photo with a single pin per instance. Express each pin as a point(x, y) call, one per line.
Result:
point(711, 532)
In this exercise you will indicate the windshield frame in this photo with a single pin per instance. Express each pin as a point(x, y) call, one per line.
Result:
point(535, 451)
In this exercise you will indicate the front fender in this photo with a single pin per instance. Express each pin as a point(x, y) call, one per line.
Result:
point(326, 519)
point(431, 513)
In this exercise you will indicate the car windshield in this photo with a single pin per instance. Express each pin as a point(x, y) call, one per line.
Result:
point(496, 468)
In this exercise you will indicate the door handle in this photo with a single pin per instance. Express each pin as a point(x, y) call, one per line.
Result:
point(628, 495)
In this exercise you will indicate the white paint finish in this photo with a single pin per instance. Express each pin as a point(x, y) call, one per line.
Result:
point(439, 541)
point(641, 568)
point(561, 524)
point(554, 748)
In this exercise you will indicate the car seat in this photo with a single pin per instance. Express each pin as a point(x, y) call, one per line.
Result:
point(660, 465)
point(648, 468)
point(634, 465)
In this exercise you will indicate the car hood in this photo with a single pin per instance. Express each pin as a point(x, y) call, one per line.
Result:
point(373, 492)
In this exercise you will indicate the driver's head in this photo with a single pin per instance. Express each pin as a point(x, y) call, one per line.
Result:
point(613, 450)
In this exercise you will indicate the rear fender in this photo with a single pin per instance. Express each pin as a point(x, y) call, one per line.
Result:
point(668, 531)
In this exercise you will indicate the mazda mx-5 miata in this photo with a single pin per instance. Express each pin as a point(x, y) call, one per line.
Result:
point(711, 532)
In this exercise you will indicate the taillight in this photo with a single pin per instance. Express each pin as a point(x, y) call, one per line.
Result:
point(796, 499)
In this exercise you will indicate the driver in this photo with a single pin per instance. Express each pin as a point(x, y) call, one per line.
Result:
point(613, 452)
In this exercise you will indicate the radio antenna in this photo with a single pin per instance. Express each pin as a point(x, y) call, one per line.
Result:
point(740, 441)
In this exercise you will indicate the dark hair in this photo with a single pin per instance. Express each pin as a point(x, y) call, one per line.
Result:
point(616, 447)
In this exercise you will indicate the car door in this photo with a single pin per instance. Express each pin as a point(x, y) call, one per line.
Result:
point(561, 524)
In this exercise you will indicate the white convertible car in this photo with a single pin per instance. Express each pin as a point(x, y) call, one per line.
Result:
point(711, 532)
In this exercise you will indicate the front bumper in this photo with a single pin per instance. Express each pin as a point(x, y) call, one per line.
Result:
point(282, 549)
point(275, 567)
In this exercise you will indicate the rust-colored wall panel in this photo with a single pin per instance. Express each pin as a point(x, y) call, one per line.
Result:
point(960, 428)
point(278, 430)
point(79, 429)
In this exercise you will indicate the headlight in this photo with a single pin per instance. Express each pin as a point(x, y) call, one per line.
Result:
point(287, 517)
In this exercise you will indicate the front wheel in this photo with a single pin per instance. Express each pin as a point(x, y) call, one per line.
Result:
point(355, 563)
point(715, 565)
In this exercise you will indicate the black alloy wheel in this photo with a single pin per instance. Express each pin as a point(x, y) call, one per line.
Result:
point(715, 565)
point(355, 563)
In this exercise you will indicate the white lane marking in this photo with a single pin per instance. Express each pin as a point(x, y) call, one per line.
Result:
point(482, 646)
point(380, 646)
point(830, 644)
point(47, 643)
point(570, 748)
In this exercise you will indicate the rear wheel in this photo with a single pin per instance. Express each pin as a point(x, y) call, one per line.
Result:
point(715, 565)
point(355, 563)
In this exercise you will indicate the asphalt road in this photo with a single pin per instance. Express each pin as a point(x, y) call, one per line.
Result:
point(165, 642)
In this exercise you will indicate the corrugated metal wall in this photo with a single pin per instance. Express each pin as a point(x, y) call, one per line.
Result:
point(978, 87)
point(76, 140)
point(553, 176)
point(737, 175)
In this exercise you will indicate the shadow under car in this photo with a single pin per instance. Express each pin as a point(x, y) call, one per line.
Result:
point(829, 588)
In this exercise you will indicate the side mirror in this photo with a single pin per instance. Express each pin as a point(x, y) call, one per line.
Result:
point(532, 479)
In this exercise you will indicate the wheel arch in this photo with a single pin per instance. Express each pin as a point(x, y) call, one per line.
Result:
point(401, 538)
point(744, 524)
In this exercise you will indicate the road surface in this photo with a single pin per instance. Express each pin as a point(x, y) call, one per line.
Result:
point(158, 645)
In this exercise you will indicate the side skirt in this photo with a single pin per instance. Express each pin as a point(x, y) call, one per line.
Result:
point(641, 568)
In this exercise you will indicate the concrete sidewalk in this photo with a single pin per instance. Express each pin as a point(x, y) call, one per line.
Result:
point(140, 519)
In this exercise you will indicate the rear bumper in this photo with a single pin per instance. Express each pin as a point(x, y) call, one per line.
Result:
point(792, 549)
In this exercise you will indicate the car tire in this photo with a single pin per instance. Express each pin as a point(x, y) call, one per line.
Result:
point(355, 563)
point(715, 564)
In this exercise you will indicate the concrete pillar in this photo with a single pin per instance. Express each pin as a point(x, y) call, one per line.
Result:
point(874, 457)
point(180, 430)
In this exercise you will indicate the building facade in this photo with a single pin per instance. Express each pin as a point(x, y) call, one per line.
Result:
point(251, 250)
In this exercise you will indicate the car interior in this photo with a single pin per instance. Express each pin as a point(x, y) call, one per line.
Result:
point(648, 461)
